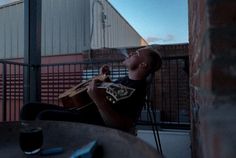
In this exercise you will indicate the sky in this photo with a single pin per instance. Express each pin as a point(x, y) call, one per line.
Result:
point(6, 1)
point(157, 21)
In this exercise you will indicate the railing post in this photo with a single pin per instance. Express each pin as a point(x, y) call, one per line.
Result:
point(4, 91)
point(32, 50)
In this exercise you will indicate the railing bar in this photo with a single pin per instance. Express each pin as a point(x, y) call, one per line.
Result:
point(162, 91)
point(63, 72)
point(12, 62)
point(53, 90)
point(14, 92)
point(105, 61)
point(47, 82)
point(82, 72)
point(19, 104)
point(82, 62)
point(10, 92)
point(76, 74)
point(86, 62)
point(74, 78)
point(58, 85)
point(4, 91)
point(174, 57)
point(69, 76)
point(112, 66)
point(177, 76)
point(170, 113)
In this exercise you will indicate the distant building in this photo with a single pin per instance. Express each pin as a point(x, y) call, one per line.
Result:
point(68, 27)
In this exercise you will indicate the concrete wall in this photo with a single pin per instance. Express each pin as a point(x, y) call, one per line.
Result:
point(213, 74)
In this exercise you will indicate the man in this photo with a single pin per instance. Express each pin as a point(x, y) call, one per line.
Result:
point(121, 115)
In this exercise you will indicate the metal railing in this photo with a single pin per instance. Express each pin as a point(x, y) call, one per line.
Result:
point(168, 96)
point(11, 89)
point(167, 99)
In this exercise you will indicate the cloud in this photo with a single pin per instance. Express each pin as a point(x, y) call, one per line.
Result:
point(169, 37)
point(152, 39)
point(166, 38)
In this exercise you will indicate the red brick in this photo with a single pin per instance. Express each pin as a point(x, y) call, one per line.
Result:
point(222, 13)
point(195, 80)
point(223, 76)
point(223, 41)
point(206, 78)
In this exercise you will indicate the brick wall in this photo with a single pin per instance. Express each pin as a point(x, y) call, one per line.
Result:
point(212, 49)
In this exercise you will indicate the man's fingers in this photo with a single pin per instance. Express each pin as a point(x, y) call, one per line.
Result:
point(93, 84)
point(105, 69)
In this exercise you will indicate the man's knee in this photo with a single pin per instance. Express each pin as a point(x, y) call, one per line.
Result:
point(26, 112)
point(44, 115)
point(54, 114)
point(30, 111)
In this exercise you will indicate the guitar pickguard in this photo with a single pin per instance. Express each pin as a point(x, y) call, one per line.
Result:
point(77, 96)
point(117, 92)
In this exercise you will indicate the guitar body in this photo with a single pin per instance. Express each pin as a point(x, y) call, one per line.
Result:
point(80, 98)
point(75, 99)
point(65, 99)
point(77, 96)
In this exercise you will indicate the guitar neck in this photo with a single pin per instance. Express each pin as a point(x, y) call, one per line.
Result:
point(85, 83)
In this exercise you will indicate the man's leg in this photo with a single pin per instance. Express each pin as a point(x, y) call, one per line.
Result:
point(31, 110)
point(86, 115)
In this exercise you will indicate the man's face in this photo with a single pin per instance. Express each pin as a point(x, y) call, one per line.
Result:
point(135, 58)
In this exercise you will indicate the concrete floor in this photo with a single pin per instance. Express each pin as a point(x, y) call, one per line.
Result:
point(175, 143)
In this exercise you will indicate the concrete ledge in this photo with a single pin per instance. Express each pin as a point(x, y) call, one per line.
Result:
point(175, 143)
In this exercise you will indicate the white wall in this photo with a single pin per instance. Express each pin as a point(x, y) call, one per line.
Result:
point(11, 31)
point(117, 31)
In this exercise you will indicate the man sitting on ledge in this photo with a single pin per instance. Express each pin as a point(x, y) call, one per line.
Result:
point(121, 115)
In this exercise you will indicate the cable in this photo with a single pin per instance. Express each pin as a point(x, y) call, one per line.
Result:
point(153, 119)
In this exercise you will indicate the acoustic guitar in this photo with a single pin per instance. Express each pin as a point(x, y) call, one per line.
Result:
point(77, 97)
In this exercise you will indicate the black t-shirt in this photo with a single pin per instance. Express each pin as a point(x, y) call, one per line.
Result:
point(131, 107)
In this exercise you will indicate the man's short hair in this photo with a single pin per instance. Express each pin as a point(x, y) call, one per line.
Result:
point(155, 59)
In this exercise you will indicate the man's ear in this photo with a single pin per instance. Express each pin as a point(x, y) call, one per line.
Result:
point(143, 65)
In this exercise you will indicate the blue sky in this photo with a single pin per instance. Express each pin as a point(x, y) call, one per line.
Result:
point(157, 21)
point(6, 1)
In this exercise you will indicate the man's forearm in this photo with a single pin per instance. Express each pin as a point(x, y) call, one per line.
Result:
point(110, 117)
